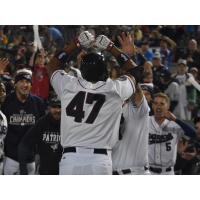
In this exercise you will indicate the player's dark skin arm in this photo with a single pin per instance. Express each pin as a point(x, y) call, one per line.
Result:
point(55, 64)
point(128, 48)
point(129, 64)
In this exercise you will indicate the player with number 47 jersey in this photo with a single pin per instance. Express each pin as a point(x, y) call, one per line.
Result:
point(91, 113)
point(91, 107)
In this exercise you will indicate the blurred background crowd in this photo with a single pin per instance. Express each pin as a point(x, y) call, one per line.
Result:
point(169, 55)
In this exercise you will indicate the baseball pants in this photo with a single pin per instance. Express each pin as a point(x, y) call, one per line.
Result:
point(11, 167)
point(85, 162)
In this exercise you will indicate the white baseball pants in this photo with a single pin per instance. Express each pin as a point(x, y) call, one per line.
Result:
point(85, 162)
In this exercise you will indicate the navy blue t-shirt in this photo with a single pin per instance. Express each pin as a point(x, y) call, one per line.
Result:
point(21, 117)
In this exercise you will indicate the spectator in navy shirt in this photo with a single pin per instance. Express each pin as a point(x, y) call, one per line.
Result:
point(22, 110)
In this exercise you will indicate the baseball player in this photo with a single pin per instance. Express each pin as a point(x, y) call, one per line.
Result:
point(164, 133)
point(91, 106)
point(130, 155)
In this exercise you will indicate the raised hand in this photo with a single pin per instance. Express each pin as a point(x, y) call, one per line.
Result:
point(86, 39)
point(170, 116)
point(3, 64)
point(127, 43)
point(103, 42)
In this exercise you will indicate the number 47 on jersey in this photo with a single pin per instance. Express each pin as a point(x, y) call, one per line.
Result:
point(75, 107)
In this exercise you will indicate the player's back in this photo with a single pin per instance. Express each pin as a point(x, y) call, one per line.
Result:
point(90, 112)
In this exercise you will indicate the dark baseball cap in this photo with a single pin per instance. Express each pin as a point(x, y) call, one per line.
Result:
point(54, 101)
point(23, 74)
point(165, 74)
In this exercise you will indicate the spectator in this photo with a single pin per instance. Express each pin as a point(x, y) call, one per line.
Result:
point(167, 47)
point(170, 87)
point(146, 51)
point(158, 67)
point(186, 84)
point(40, 78)
point(45, 138)
point(192, 54)
point(22, 111)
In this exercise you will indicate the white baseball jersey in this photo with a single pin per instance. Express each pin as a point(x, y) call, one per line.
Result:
point(163, 141)
point(90, 113)
point(132, 150)
point(173, 91)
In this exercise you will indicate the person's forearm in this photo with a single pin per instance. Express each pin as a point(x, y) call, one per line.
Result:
point(31, 61)
point(60, 58)
point(188, 130)
point(124, 60)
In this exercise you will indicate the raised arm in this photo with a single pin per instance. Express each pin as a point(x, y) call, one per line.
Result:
point(85, 40)
point(125, 62)
point(3, 64)
point(188, 130)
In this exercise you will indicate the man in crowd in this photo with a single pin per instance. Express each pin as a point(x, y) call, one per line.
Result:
point(22, 111)
point(44, 139)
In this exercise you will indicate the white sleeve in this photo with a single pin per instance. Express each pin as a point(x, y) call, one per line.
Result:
point(56, 81)
point(142, 109)
point(193, 82)
point(125, 87)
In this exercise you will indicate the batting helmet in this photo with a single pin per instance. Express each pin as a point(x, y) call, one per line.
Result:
point(93, 67)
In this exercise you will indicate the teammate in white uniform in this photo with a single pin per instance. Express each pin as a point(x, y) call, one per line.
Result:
point(91, 108)
point(130, 155)
point(164, 132)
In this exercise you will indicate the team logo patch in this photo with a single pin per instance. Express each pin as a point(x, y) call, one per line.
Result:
point(154, 138)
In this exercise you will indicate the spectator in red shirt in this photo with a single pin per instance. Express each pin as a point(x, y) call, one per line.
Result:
point(40, 78)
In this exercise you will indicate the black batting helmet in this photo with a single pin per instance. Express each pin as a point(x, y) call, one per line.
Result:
point(93, 67)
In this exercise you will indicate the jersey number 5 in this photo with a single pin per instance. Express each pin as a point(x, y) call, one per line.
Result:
point(75, 107)
point(168, 146)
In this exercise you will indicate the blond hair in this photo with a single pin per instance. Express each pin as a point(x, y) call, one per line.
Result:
point(162, 95)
